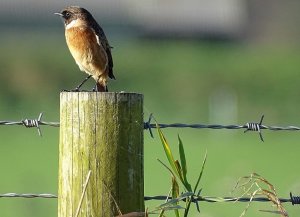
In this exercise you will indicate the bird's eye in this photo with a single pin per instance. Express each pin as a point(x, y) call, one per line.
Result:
point(67, 14)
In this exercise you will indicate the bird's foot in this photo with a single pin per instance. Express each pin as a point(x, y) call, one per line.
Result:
point(94, 89)
point(73, 90)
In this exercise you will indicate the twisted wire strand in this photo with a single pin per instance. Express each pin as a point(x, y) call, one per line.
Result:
point(15, 195)
point(221, 199)
point(293, 199)
point(29, 123)
point(250, 126)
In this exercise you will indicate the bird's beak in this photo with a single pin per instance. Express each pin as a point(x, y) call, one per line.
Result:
point(59, 14)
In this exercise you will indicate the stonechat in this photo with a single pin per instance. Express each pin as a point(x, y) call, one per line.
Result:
point(88, 45)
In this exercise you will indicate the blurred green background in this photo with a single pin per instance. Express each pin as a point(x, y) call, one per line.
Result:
point(197, 74)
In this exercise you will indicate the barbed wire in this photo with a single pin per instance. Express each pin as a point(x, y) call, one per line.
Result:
point(293, 199)
point(29, 123)
point(30, 195)
point(249, 126)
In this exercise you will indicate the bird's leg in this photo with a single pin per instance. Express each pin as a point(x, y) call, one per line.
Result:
point(78, 87)
point(95, 89)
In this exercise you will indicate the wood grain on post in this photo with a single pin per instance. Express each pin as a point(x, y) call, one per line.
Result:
point(101, 133)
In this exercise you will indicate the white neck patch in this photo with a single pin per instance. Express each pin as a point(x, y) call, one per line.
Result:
point(73, 23)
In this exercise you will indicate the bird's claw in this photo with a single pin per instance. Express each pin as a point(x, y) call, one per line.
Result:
point(74, 90)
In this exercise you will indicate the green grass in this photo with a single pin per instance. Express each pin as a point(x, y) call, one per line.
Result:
point(181, 81)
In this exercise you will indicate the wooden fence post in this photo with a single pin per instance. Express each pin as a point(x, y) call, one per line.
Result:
point(101, 133)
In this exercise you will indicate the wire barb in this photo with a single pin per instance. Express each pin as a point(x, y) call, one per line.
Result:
point(34, 123)
point(29, 123)
point(294, 199)
point(147, 125)
point(255, 127)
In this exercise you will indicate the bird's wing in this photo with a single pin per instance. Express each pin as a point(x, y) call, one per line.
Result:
point(102, 41)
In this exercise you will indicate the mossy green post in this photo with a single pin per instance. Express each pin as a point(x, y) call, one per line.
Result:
point(101, 132)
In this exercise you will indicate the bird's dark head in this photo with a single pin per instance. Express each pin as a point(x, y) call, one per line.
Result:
point(73, 15)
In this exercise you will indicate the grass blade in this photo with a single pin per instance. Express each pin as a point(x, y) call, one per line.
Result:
point(169, 154)
point(201, 173)
point(175, 193)
point(176, 200)
point(166, 167)
point(183, 165)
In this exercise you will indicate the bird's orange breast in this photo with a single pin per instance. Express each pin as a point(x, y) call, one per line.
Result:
point(88, 54)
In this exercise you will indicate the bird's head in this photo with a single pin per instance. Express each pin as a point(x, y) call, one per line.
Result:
point(73, 14)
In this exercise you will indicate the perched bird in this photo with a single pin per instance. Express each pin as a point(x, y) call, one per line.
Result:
point(88, 45)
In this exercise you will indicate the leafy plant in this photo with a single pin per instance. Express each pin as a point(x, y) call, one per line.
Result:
point(178, 170)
